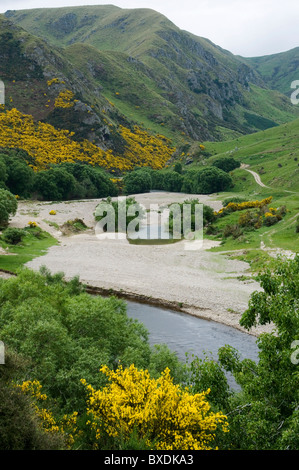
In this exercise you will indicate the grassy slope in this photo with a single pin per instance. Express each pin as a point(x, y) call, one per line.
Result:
point(278, 70)
point(274, 155)
point(142, 103)
point(30, 248)
point(168, 55)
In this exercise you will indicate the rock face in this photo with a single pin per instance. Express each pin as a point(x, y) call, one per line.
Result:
point(155, 71)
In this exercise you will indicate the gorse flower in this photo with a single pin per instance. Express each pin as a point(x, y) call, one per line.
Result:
point(160, 410)
point(47, 145)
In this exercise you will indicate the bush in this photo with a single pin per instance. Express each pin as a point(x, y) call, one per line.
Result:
point(235, 199)
point(16, 175)
point(8, 207)
point(206, 180)
point(13, 236)
point(138, 181)
point(226, 164)
point(20, 428)
point(108, 211)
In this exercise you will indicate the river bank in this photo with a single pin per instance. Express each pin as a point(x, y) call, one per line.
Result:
point(209, 285)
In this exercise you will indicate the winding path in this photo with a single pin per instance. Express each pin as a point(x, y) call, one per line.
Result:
point(255, 175)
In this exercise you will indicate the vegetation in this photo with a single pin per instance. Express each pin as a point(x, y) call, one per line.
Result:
point(63, 181)
point(186, 221)
point(23, 245)
point(119, 216)
point(8, 207)
point(79, 373)
point(202, 180)
point(47, 145)
point(62, 336)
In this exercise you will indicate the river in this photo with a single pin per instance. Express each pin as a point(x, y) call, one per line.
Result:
point(185, 333)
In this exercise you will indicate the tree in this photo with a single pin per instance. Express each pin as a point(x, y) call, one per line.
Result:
point(265, 415)
point(137, 181)
point(20, 428)
point(67, 334)
point(206, 180)
point(8, 207)
point(226, 164)
point(54, 184)
point(91, 182)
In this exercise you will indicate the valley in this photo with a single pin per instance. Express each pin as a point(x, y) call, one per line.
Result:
point(110, 109)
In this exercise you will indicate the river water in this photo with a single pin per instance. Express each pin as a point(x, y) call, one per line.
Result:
point(185, 333)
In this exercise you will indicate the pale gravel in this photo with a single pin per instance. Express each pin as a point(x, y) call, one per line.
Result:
point(202, 282)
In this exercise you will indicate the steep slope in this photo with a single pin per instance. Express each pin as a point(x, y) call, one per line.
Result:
point(273, 154)
point(278, 70)
point(55, 113)
point(154, 73)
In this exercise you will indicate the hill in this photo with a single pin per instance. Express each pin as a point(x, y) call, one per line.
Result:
point(157, 75)
point(272, 153)
point(278, 70)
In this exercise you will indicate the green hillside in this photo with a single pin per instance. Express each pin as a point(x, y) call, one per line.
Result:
point(273, 154)
point(278, 70)
point(158, 75)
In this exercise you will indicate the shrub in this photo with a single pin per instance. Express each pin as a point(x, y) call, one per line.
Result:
point(13, 236)
point(8, 207)
point(206, 180)
point(138, 181)
point(226, 164)
point(168, 415)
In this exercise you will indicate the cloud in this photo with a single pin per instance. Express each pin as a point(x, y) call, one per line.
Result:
point(244, 27)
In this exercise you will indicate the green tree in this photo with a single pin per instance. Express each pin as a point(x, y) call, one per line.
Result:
point(206, 180)
point(8, 207)
point(20, 428)
point(54, 184)
point(137, 181)
point(265, 414)
point(67, 334)
point(226, 164)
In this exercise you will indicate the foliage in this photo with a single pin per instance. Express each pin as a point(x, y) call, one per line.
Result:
point(254, 215)
point(226, 164)
point(206, 180)
point(138, 181)
point(157, 409)
point(13, 236)
point(265, 415)
point(187, 220)
point(8, 207)
point(16, 174)
point(58, 182)
point(119, 215)
point(20, 427)
point(67, 334)
point(47, 145)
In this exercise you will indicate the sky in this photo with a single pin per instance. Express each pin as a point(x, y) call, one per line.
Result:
point(248, 28)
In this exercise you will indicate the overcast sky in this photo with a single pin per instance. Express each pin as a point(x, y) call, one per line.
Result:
point(245, 27)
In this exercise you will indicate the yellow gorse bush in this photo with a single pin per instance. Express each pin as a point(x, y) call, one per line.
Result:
point(234, 206)
point(47, 145)
point(65, 99)
point(160, 410)
point(66, 426)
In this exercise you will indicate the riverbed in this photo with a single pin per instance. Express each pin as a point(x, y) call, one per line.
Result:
point(203, 283)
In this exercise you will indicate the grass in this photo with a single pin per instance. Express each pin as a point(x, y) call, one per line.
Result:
point(36, 243)
point(256, 245)
point(141, 55)
point(273, 154)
